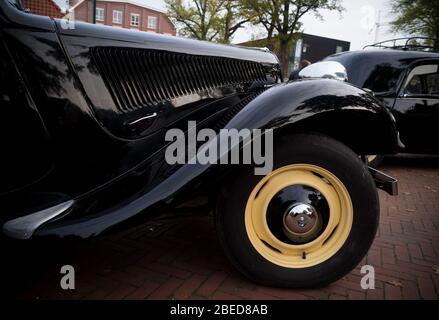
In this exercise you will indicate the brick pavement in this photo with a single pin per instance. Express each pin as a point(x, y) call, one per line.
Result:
point(180, 258)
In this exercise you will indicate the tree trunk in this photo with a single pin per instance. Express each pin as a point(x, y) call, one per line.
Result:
point(284, 57)
point(270, 33)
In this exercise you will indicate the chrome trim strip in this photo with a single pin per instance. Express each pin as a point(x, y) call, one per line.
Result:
point(143, 118)
point(24, 227)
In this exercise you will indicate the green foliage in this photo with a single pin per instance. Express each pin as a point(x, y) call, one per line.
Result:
point(197, 19)
point(211, 20)
point(232, 20)
point(416, 17)
point(281, 19)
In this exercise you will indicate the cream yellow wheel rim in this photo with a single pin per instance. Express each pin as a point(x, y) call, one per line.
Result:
point(371, 158)
point(331, 239)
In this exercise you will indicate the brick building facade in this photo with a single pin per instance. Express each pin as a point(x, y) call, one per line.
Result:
point(124, 14)
point(43, 8)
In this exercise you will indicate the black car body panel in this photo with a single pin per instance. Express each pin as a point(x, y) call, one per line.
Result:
point(385, 72)
point(163, 188)
point(99, 100)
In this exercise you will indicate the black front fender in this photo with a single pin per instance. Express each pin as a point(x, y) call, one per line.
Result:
point(331, 107)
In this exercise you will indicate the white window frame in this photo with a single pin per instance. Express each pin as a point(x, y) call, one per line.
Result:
point(100, 17)
point(421, 70)
point(151, 24)
point(132, 15)
point(116, 15)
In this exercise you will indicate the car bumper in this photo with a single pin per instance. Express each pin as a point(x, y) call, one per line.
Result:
point(384, 182)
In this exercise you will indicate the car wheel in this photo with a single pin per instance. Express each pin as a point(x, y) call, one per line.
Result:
point(307, 223)
point(374, 160)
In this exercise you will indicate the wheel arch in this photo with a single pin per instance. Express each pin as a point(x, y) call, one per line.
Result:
point(330, 107)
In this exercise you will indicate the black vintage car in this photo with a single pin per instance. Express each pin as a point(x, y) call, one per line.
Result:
point(404, 74)
point(85, 111)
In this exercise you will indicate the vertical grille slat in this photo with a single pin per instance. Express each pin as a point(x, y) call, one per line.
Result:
point(174, 74)
point(221, 74)
point(241, 67)
point(230, 70)
point(198, 72)
point(248, 73)
point(189, 78)
point(145, 82)
point(164, 63)
point(131, 85)
point(180, 74)
point(234, 72)
point(145, 57)
point(118, 73)
point(210, 81)
point(184, 75)
point(137, 78)
point(160, 84)
point(138, 83)
point(106, 75)
point(118, 88)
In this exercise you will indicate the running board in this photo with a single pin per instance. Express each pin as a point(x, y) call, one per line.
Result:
point(384, 182)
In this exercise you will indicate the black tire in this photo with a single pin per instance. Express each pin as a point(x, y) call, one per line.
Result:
point(326, 153)
point(375, 160)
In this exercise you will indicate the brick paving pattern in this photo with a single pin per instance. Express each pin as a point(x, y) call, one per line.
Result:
point(180, 258)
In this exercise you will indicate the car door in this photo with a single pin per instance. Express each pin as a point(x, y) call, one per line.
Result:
point(416, 108)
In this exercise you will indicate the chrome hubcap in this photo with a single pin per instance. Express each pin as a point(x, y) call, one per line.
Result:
point(302, 222)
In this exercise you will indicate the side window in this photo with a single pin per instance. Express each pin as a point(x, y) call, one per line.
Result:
point(433, 84)
point(414, 86)
point(423, 81)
